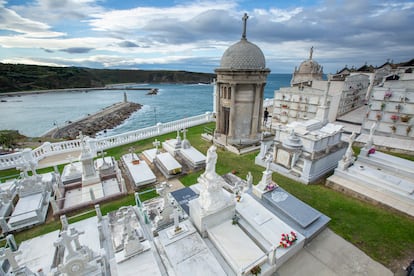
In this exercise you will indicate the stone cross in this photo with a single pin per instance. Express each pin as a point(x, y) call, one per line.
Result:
point(184, 131)
point(102, 154)
point(245, 17)
point(127, 224)
point(156, 144)
point(178, 135)
point(75, 233)
point(131, 151)
point(176, 219)
point(311, 53)
point(66, 240)
point(64, 222)
point(9, 255)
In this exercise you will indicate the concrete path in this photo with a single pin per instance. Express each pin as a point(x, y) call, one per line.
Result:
point(62, 158)
point(329, 254)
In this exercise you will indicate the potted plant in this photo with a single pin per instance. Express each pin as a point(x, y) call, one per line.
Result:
point(382, 106)
point(256, 270)
point(393, 128)
point(405, 118)
point(378, 116)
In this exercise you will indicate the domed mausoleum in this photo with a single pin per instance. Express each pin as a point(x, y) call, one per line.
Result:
point(308, 71)
point(241, 79)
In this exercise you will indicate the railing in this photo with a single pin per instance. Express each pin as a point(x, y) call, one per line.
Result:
point(47, 149)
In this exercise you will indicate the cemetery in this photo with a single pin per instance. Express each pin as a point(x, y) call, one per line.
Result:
point(217, 223)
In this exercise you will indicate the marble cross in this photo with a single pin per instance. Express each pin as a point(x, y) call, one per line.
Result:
point(178, 135)
point(156, 144)
point(66, 240)
point(184, 131)
point(131, 151)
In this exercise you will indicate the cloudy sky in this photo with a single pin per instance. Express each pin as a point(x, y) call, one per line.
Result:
point(192, 35)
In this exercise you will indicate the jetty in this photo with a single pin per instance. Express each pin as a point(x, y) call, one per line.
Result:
point(107, 118)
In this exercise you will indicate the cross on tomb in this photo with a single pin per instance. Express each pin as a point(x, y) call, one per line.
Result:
point(8, 254)
point(156, 144)
point(178, 134)
point(311, 53)
point(66, 240)
point(127, 224)
point(131, 151)
point(184, 131)
point(75, 233)
point(102, 154)
point(245, 17)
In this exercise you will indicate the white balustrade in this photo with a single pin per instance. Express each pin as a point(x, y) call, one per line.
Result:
point(49, 149)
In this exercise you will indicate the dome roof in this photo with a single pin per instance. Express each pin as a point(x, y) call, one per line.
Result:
point(309, 66)
point(243, 55)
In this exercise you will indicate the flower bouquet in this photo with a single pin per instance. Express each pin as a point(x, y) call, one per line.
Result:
point(394, 117)
point(288, 239)
point(271, 186)
point(387, 94)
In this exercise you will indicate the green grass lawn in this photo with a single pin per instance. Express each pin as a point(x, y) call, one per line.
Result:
point(383, 234)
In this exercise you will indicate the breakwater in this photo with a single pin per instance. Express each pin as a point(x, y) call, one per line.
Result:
point(107, 118)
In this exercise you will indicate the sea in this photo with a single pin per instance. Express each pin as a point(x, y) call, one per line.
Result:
point(35, 114)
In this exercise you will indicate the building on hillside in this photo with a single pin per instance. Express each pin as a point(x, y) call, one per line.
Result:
point(241, 79)
point(309, 70)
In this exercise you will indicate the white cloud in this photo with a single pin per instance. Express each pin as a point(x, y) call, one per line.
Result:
point(12, 21)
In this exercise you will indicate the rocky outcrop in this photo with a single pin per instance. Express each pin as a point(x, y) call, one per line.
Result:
point(107, 118)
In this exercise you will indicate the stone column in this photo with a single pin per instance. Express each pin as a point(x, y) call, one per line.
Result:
point(256, 109)
point(219, 113)
point(232, 116)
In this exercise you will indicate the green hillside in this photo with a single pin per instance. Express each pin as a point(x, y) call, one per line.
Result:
point(19, 77)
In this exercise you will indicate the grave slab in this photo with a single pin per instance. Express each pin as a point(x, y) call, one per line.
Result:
point(139, 170)
point(307, 220)
point(183, 196)
point(188, 254)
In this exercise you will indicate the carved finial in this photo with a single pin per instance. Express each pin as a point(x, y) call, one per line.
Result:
point(311, 53)
point(245, 17)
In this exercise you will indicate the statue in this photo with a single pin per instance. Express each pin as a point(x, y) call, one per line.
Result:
point(211, 161)
point(349, 152)
point(370, 141)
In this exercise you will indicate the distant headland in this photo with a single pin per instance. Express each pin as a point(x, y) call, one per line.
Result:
point(20, 77)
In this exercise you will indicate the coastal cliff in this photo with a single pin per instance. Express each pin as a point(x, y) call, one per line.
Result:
point(107, 118)
point(20, 77)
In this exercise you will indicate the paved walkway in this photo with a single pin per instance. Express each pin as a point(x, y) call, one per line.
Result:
point(62, 158)
point(329, 254)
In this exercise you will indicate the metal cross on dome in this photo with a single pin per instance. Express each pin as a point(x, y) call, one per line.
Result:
point(244, 18)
